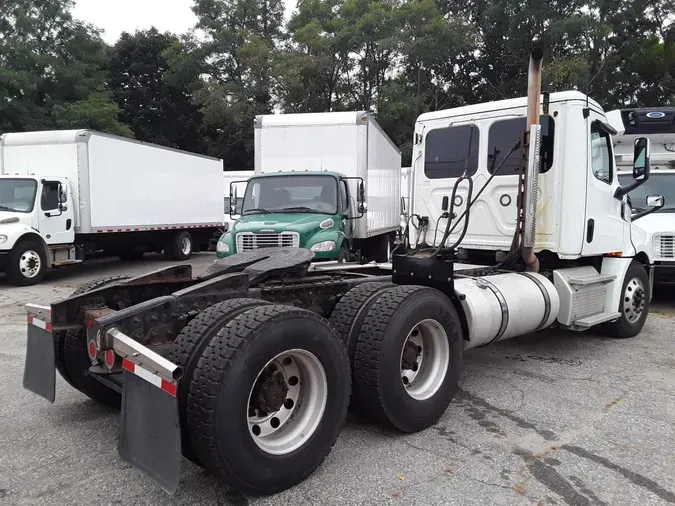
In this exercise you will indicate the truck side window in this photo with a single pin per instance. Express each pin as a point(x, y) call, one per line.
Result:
point(343, 196)
point(504, 134)
point(601, 161)
point(448, 149)
point(50, 196)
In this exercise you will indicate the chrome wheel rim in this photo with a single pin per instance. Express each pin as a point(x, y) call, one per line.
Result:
point(634, 300)
point(425, 358)
point(185, 246)
point(30, 263)
point(287, 402)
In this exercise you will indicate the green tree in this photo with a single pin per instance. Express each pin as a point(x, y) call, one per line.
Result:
point(238, 59)
point(51, 66)
point(312, 70)
point(155, 102)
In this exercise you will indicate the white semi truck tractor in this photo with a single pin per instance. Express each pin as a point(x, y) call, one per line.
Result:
point(249, 369)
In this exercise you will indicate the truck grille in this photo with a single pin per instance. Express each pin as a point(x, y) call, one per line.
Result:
point(664, 246)
point(247, 241)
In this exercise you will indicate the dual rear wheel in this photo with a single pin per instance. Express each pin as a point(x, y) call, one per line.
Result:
point(267, 387)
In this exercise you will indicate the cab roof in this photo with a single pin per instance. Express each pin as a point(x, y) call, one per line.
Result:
point(499, 105)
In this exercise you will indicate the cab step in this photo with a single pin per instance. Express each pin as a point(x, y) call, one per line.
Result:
point(591, 321)
point(592, 279)
point(66, 262)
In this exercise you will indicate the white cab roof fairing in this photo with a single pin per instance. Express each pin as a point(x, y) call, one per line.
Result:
point(514, 103)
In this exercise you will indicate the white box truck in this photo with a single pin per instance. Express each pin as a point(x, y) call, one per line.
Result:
point(65, 195)
point(657, 124)
point(329, 182)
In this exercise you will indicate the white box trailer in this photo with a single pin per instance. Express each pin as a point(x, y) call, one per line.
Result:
point(67, 194)
point(309, 149)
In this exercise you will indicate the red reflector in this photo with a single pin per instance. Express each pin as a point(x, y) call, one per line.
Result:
point(92, 350)
point(90, 324)
point(128, 365)
point(169, 388)
point(110, 358)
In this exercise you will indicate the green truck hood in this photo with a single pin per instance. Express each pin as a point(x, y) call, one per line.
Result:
point(305, 224)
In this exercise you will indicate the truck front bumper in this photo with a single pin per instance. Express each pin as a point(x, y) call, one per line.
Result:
point(664, 273)
point(4, 260)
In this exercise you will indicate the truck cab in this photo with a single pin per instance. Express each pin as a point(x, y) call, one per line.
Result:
point(313, 175)
point(36, 215)
point(581, 211)
point(657, 124)
point(313, 210)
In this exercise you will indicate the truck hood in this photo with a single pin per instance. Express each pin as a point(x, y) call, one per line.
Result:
point(657, 223)
point(303, 223)
point(8, 218)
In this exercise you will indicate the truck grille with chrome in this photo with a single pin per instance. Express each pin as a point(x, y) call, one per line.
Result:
point(664, 246)
point(247, 241)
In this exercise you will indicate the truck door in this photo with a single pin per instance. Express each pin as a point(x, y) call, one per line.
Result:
point(56, 226)
point(604, 226)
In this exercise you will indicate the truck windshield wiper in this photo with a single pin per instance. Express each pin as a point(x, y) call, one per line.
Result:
point(5, 208)
point(258, 210)
point(301, 208)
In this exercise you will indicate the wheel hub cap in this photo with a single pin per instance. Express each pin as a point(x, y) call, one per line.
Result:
point(287, 402)
point(425, 359)
point(635, 298)
point(29, 264)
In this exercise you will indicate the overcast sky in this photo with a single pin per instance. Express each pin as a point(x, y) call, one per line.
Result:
point(117, 16)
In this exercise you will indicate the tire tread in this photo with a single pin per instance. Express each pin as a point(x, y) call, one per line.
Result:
point(212, 370)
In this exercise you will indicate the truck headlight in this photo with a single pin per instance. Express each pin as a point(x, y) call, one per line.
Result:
point(3, 238)
point(222, 247)
point(323, 246)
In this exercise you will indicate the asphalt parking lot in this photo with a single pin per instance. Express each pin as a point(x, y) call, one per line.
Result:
point(551, 418)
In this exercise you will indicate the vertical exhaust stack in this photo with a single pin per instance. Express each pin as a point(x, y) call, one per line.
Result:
point(532, 171)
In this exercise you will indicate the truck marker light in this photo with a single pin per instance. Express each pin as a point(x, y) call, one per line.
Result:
point(617, 254)
point(170, 387)
point(110, 359)
point(92, 350)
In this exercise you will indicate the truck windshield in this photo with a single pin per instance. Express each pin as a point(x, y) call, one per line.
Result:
point(292, 194)
point(17, 195)
point(661, 184)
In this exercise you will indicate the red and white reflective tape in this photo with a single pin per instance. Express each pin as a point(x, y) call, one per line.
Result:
point(39, 323)
point(170, 387)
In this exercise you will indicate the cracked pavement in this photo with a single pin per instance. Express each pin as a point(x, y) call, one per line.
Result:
point(554, 418)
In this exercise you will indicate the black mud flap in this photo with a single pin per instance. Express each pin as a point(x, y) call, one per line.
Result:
point(150, 431)
point(39, 374)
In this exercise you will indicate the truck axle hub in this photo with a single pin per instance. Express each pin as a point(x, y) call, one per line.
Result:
point(270, 392)
point(411, 353)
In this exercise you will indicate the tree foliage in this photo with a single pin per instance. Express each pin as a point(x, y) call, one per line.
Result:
point(52, 70)
point(395, 58)
point(155, 103)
